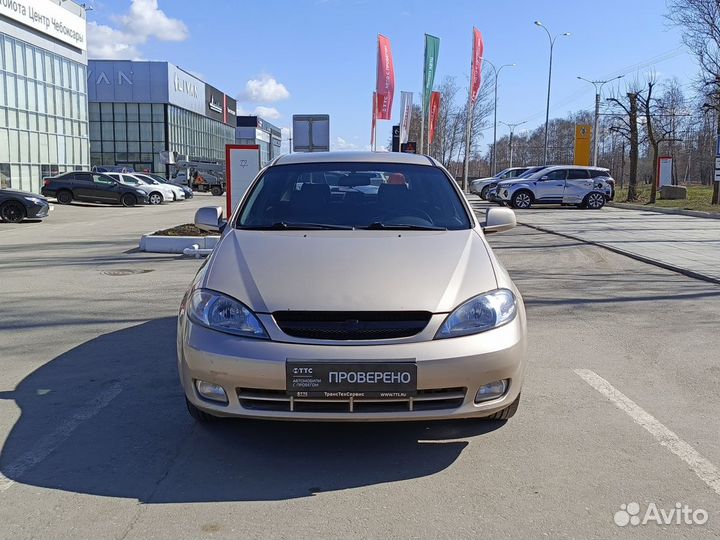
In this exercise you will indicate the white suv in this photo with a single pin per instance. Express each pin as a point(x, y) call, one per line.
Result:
point(586, 187)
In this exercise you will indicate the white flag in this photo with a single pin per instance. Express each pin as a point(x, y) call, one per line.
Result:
point(406, 99)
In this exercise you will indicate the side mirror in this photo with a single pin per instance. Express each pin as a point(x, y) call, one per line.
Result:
point(499, 220)
point(544, 177)
point(209, 218)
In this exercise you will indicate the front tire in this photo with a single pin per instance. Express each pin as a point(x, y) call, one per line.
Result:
point(128, 200)
point(216, 190)
point(594, 201)
point(12, 212)
point(484, 192)
point(199, 415)
point(64, 197)
point(507, 413)
point(155, 198)
point(521, 199)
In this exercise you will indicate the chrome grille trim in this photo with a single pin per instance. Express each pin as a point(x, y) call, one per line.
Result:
point(277, 400)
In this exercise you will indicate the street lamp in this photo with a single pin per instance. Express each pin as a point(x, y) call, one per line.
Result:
point(547, 109)
point(496, 72)
point(512, 130)
point(598, 90)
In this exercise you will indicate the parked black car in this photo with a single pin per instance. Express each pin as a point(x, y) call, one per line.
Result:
point(91, 187)
point(17, 205)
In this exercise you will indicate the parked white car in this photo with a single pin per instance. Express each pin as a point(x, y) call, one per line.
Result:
point(156, 194)
point(178, 192)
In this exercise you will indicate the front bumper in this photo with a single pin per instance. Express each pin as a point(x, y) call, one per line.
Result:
point(258, 367)
point(37, 211)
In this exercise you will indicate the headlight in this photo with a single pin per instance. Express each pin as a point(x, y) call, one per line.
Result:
point(481, 313)
point(140, 192)
point(34, 200)
point(224, 314)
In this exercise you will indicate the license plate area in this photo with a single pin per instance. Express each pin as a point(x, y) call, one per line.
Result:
point(345, 380)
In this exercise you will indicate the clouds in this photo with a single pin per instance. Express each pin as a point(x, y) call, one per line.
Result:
point(265, 90)
point(270, 113)
point(338, 143)
point(144, 20)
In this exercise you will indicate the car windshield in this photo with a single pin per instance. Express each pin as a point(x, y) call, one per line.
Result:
point(354, 195)
point(530, 172)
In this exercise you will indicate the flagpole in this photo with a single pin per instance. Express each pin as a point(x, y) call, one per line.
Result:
point(377, 59)
point(422, 98)
point(469, 120)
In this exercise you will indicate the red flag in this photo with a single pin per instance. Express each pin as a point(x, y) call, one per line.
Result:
point(477, 57)
point(374, 119)
point(434, 113)
point(385, 82)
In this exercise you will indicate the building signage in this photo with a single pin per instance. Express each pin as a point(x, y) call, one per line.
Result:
point(219, 106)
point(48, 18)
point(214, 103)
point(124, 81)
point(230, 114)
point(185, 91)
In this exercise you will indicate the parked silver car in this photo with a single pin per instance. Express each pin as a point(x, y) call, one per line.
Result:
point(480, 186)
point(586, 187)
point(491, 194)
point(327, 301)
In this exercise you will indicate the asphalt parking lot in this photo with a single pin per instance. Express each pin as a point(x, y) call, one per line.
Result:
point(619, 406)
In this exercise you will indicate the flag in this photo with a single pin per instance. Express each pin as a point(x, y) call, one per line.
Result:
point(385, 82)
point(434, 113)
point(477, 56)
point(406, 99)
point(374, 120)
point(432, 47)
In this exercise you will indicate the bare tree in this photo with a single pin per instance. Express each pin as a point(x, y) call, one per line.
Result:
point(700, 24)
point(658, 125)
point(626, 124)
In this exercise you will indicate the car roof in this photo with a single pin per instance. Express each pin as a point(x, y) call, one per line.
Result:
point(575, 167)
point(355, 157)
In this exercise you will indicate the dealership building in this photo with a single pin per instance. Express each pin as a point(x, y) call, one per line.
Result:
point(139, 109)
point(43, 93)
point(255, 130)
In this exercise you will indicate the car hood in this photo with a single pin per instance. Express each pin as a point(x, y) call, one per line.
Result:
point(351, 270)
point(506, 183)
point(486, 179)
point(19, 193)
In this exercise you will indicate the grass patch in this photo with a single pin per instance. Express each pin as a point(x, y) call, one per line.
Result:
point(188, 229)
point(699, 198)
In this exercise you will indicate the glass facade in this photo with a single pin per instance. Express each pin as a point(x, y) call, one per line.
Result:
point(43, 115)
point(130, 134)
point(196, 135)
point(134, 134)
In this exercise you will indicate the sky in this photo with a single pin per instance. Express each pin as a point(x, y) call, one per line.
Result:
point(285, 57)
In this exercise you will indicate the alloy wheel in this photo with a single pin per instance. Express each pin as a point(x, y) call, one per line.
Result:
point(596, 200)
point(12, 212)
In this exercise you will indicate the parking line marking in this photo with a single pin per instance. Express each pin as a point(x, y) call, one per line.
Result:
point(706, 471)
point(47, 444)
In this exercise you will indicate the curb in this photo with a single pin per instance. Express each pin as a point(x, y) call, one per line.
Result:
point(641, 258)
point(175, 244)
point(660, 210)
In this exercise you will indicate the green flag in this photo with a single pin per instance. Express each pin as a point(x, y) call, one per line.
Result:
point(432, 46)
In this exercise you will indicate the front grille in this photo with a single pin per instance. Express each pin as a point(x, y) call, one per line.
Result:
point(255, 399)
point(344, 325)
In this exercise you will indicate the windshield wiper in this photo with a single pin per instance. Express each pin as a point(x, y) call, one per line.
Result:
point(288, 226)
point(379, 226)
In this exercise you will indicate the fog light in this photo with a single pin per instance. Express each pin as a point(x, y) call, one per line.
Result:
point(491, 390)
point(213, 392)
